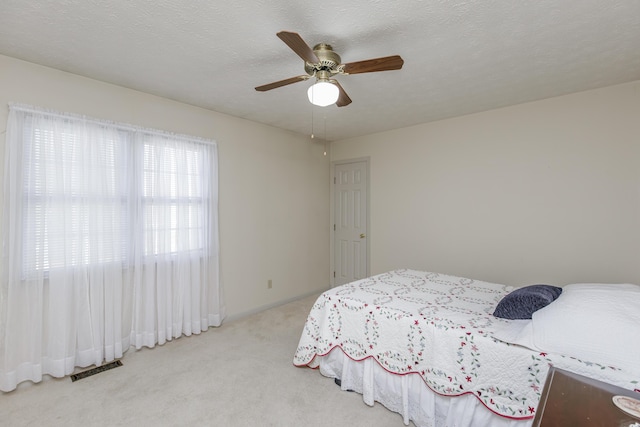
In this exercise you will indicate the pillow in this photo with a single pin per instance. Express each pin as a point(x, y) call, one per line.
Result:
point(597, 323)
point(516, 331)
point(523, 302)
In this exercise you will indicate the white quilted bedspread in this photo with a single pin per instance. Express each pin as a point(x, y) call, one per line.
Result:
point(439, 327)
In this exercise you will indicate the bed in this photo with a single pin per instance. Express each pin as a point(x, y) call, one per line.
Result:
point(428, 345)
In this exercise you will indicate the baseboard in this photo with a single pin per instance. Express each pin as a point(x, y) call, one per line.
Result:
point(238, 316)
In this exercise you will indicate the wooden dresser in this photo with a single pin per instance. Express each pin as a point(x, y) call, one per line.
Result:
point(570, 399)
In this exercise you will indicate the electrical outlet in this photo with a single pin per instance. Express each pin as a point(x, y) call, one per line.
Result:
point(269, 284)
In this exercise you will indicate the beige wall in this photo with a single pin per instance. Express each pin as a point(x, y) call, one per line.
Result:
point(547, 191)
point(274, 185)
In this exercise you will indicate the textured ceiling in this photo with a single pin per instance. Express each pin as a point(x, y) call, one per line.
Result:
point(460, 56)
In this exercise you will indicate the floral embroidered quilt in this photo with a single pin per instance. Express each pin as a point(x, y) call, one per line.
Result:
point(439, 327)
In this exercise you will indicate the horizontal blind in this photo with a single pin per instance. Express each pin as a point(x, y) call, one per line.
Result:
point(74, 204)
point(92, 190)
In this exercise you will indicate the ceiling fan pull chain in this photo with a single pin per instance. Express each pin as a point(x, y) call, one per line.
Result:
point(325, 135)
point(312, 136)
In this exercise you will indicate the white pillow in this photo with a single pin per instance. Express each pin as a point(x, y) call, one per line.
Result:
point(516, 331)
point(598, 323)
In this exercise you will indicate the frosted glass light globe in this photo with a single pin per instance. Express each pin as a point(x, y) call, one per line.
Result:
point(323, 94)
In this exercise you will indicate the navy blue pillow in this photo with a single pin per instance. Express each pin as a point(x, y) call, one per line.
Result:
point(523, 302)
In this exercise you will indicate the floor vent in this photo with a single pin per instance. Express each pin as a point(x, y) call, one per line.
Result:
point(97, 370)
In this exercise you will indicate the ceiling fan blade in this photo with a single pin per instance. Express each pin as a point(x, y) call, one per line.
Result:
point(281, 83)
point(378, 64)
point(343, 98)
point(295, 42)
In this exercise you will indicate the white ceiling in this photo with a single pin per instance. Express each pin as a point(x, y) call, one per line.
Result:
point(460, 56)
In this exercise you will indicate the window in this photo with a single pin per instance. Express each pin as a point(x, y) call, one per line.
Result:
point(102, 193)
point(174, 199)
point(110, 236)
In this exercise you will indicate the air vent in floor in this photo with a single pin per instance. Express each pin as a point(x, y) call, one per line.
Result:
point(97, 370)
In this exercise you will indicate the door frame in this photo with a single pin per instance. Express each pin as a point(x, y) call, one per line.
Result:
point(332, 208)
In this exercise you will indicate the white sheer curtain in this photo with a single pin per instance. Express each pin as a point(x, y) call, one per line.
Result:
point(110, 239)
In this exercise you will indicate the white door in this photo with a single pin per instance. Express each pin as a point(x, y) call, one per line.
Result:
point(350, 222)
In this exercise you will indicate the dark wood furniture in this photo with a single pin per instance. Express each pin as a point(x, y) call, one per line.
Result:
point(570, 399)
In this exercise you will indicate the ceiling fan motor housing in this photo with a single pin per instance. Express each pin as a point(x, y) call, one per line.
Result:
point(328, 60)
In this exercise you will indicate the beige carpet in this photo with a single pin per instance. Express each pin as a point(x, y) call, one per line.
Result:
point(238, 375)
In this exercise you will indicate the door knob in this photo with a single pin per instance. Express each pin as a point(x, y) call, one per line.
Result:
point(362, 236)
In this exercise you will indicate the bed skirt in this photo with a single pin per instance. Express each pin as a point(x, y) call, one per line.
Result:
point(408, 395)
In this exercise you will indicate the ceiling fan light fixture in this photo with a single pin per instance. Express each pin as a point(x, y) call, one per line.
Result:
point(323, 93)
point(323, 63)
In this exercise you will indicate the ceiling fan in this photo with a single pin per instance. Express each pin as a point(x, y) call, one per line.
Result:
point(323, 63)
